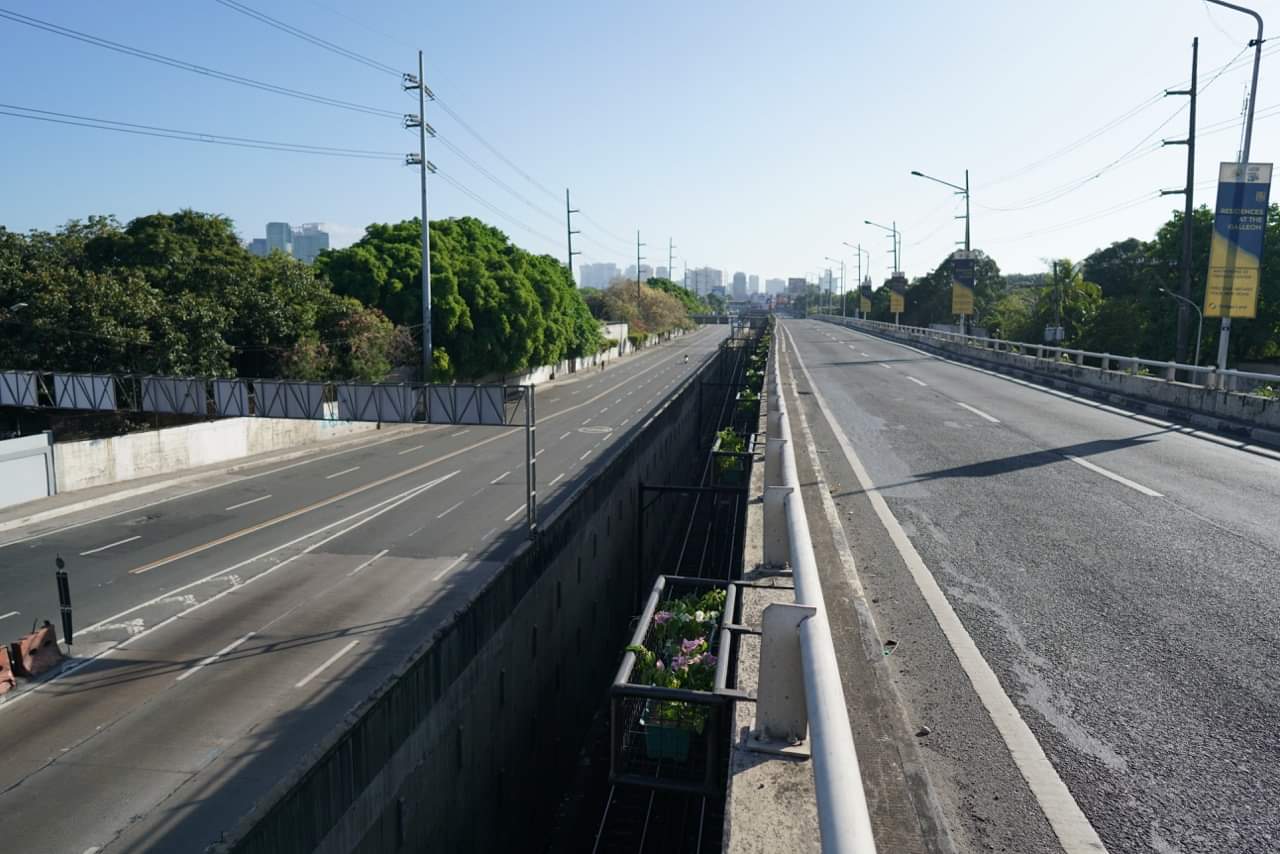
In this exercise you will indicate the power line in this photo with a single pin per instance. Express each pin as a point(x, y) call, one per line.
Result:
point(493, 208)
point(380, 66)
point(191, 136)
point(139, 53)
point(307, 37)
point(496, 180)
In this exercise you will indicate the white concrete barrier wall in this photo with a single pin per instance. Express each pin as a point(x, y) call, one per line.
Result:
point(97, 462)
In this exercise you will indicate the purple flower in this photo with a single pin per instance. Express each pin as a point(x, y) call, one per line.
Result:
point(662, 617)
point(679, 662)
point(709, 660)
point(688, 646)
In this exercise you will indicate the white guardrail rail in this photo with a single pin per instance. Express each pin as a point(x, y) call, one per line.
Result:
point(796, 647)
point(1206, 375)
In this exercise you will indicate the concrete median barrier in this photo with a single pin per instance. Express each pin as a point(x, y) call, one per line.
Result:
point(37, 652)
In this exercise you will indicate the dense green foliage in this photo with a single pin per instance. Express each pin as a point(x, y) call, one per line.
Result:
point(178, 294)
point(495, 308)
point(1111, 301)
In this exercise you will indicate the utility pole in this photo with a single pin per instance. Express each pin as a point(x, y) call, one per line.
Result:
point(1224, 337)
point(638, 260)
point(420, 159)
point(1057, 304)
point(1187, 191)
point(569, 230)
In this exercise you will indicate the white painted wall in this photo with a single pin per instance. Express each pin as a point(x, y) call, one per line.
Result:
point(95, 462)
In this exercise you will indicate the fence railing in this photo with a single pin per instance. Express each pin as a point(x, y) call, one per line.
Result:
point(1205, 375)
point(783, 708)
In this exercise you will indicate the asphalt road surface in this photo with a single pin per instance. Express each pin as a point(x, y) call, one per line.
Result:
point(245, 620)
point(1116, 572)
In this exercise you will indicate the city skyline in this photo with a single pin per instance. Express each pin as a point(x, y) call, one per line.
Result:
point(1042, 183)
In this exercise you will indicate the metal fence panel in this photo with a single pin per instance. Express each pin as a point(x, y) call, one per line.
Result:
point(467, 404)
point(378, 402)
point(17, 388)
point(231, 397)
point(174, 395)
point(279, 399)
point(84, 391)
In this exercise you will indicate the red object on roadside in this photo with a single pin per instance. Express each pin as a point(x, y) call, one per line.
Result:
point(37, 652)
point(7, 679)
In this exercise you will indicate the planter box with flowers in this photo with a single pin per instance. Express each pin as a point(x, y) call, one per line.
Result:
point(667, 702)
point(732, 465)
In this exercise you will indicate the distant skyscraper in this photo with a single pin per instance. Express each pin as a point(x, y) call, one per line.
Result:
point(702, 280)
point(739, 285)
point(258, 246)
point(309, 241)
point(753, 284)
point(646, 272)
point(797, 285)
point(597, 275)
point(775, 286)
point(279, 236)
point(662, 273)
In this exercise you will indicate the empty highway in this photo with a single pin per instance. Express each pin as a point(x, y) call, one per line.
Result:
point(1117, 573)
point(224, 633)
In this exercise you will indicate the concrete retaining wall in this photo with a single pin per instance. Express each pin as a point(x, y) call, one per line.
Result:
point(1230, 412)
point(95, 462)
point(26, 470)
point(468, 746)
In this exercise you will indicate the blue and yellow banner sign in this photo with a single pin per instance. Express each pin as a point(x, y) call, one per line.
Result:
point(964, 274)
point(1239, 225)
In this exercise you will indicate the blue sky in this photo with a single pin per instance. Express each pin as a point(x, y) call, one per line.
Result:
point(758, 135)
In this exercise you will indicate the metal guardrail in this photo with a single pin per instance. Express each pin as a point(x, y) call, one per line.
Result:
point(1208, 376)
point(783, 709)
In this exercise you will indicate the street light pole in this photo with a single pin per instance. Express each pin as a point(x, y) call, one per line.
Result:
point(897, 237)
point(1224, 337)
point(858, 248)
point(964, 191)
point(1199, 326)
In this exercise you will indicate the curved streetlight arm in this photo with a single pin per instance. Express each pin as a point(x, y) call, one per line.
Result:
point(955, 187)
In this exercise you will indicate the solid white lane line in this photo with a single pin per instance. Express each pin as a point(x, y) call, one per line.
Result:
point(514, 513)
point(500, 477)
point(8, 615)
point(584, 456)
point(327, 662)
point(409, 450)
point(372, 559)
point(459, 433)
point(557, 478)
point(978, 412)
point(247, 503)
point(111, 545)
point(450, 510)
point(566, 435)
point(1069, 822)
point(442, 573)
point(916, 381)
point(211, 659)
point(341, 473)
point(489, 533)
point(1117, 478)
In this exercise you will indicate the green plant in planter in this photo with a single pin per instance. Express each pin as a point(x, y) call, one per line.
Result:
point(678, 655)
point(746, 399)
